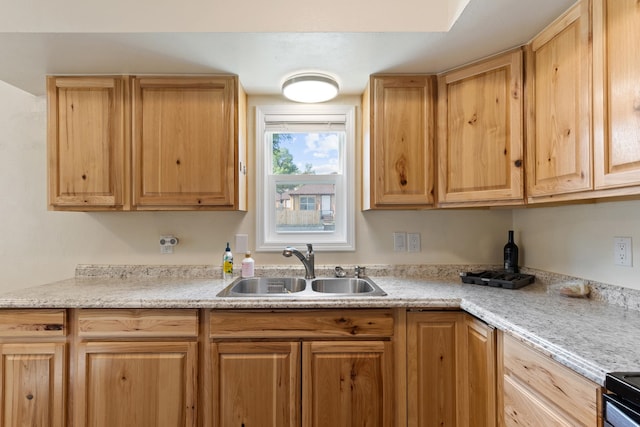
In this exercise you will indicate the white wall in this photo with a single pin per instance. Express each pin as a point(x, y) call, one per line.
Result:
point(38, 246)
point(578, 240)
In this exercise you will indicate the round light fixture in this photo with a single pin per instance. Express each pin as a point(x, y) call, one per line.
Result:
point(310, 88)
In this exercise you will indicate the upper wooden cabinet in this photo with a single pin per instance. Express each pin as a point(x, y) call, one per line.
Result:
point(616, 95)
point(398, 141)
point(558, 107)
point(480, 133)
point(186, 143)
point(88, 142)
point(187, 152)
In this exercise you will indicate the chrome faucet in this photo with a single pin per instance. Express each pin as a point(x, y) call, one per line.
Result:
point(307, 261)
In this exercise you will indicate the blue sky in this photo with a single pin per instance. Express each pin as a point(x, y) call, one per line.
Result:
point(319, 149)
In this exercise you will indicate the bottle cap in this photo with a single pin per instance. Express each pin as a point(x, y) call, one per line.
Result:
point(247, 254)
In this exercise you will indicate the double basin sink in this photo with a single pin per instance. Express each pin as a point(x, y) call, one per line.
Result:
point(294, 287)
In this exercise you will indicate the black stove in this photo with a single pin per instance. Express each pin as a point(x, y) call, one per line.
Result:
point(622, 401)
point(498, 279)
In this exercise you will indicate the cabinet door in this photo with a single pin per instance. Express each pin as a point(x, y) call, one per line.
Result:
point(616, 97)
point(87, 142)
point(559, 107)
point(398, 142)
point(478, 373)
point(347, 384)
point(480, 134)
point(184, 142)
point(433, 342)
point(33, 390)
point(256, 384)
point(136, 384)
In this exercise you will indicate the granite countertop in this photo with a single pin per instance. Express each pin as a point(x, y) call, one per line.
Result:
point(590, 336)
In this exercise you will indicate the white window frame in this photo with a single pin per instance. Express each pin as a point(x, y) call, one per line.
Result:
point(343, 238)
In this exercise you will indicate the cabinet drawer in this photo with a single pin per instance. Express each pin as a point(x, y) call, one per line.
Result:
point(521, 408)
point(559, 386)
point(137, 323)
point(301, 324)
point(32, 323)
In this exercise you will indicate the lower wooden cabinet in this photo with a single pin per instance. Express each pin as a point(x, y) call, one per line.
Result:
point(32, 392)
point(450, 370)
point(136, 384)
point(537, 391)
point(324, 368)
point(478, 373)
point(256, 384)
point(33, 368)
point(278, 368)
point(135, 368)
point(347, 384)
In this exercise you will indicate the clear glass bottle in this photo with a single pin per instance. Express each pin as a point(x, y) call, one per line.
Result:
point(511, 255)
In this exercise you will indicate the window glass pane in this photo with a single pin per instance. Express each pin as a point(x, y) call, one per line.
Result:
point(304, 207)
point(310, 153)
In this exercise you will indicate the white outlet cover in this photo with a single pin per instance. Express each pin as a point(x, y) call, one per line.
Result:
point(413, 242)
point(622, 254)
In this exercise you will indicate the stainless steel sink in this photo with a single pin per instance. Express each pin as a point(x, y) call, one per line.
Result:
point(264, 286)
point(346, 285)
point(298, 287)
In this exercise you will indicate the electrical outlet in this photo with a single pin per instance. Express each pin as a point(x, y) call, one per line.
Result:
point(622, 251)
point(167, 243)
point(413, 242)
point(242, 243)
point(399, 242)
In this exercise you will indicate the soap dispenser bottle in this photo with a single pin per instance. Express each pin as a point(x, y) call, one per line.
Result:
point(248, 265)
point(227, 263)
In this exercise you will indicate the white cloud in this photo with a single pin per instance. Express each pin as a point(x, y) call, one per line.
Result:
point(321, 145)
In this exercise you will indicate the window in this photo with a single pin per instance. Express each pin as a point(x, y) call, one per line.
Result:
point(305, 177)
point(307, 203)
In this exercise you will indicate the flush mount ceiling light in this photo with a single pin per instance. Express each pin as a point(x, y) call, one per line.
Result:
point(310, 88)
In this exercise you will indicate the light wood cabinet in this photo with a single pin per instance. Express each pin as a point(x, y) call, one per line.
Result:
point(88, 143)
point(480, 133)
point(33, 368)
point(450, 370)
point(169, 143)
point(398, 142)
point(187, 141)
point(433, 346)
point(340, 360)
point(478, 372)
point(616, 95)
point(558, 107)
point(133, 369)
point(347, 384)
point(539, 391)
point(256, 384)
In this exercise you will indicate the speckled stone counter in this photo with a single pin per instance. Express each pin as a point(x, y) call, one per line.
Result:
point(591, 336)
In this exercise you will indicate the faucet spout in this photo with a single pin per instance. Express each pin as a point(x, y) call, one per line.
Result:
point(307, 260)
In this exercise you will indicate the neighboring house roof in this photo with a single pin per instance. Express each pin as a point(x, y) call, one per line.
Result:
point(314, 189)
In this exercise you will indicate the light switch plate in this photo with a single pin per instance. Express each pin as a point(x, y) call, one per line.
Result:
point(399, 241)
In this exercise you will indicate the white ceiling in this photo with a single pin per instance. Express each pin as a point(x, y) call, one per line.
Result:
point(263, 59)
